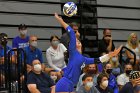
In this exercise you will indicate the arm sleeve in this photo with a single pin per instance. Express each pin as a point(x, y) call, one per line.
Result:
point(88, 60)
point(63, 48)
point(48, 56)
point(40, 56)
point(30, 79)
point(72, 44)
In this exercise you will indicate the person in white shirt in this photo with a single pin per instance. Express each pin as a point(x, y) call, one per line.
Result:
point(123, 78)
point(55, 54)
point(134, 45)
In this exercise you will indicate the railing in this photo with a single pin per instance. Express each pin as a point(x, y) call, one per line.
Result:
point(121, 54)
point(14, 71)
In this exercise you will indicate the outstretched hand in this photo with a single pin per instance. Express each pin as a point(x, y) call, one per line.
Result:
point(58, 17)
point(115, 52)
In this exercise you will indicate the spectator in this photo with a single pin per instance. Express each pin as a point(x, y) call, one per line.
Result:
point(112, 83)
point(32, 52)
point(123, 78)
point(102, 86)
point(53, 75)
point(21, 41)
point(134, 78)
point(116, 67)
point(65, 39)
point(55, 54)
point(133, 44)
point(87, 86)
point(106, 44)
point(38, 81)
point(92, 70)
point(3, 45)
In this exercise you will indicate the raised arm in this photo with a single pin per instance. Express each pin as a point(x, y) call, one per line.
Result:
point(60, 20)
point(72, 43)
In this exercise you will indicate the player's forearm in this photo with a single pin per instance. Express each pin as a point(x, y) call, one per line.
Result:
point(61, 21)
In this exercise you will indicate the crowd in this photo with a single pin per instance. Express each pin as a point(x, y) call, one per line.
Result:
point(96, 77)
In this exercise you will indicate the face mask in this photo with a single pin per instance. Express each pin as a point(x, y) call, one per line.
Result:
point(37, 67)
point(105, 83)
point(55, 43)
point(54, 78)
point(114, 59)
point(34, 44)
point(91, 71)
point(109, 71)
point(133, 42)
point(89, 84)
point(23, 32)
point(128, 72)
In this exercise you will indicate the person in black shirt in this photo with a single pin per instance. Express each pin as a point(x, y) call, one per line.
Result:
point(106, 44)
point(38, 81)
point(102, 86)
point(134, 77)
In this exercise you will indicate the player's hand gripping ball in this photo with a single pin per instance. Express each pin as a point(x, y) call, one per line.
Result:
point(70, 9)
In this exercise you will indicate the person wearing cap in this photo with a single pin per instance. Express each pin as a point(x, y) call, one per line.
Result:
point(134, 78)
point(21, 41)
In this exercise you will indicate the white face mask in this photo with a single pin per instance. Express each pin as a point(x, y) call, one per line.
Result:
point(105, 83)
point(55, 43)
point(53, 77)
point(114, 59)
point(34, 44)
point(37, 67)
point(89, 84)
point(23, 32)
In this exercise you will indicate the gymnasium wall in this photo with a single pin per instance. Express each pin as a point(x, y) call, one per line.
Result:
point(122, 16)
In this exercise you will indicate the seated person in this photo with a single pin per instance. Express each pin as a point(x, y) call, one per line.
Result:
point(123, 78)
point(91, 69)
point(102, 86)
point(33, 52)
point(116, 67)
point(87, 86)
point(54, 76)
point(134, 78)
point(112, 83)
point(133, 44)
point(38, 81)
point(3, 45)
point(106, 45)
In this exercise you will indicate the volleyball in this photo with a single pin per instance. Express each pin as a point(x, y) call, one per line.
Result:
point(70, 9)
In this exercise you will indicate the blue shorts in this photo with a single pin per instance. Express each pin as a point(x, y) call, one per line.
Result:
point(64, 85)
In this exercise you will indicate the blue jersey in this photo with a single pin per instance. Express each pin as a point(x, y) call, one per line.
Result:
point(76, 60)
point(19, 42)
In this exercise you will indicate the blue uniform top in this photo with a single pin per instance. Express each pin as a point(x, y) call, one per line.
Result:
point(32, 55)
point(19, 42)
point(76, 60)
